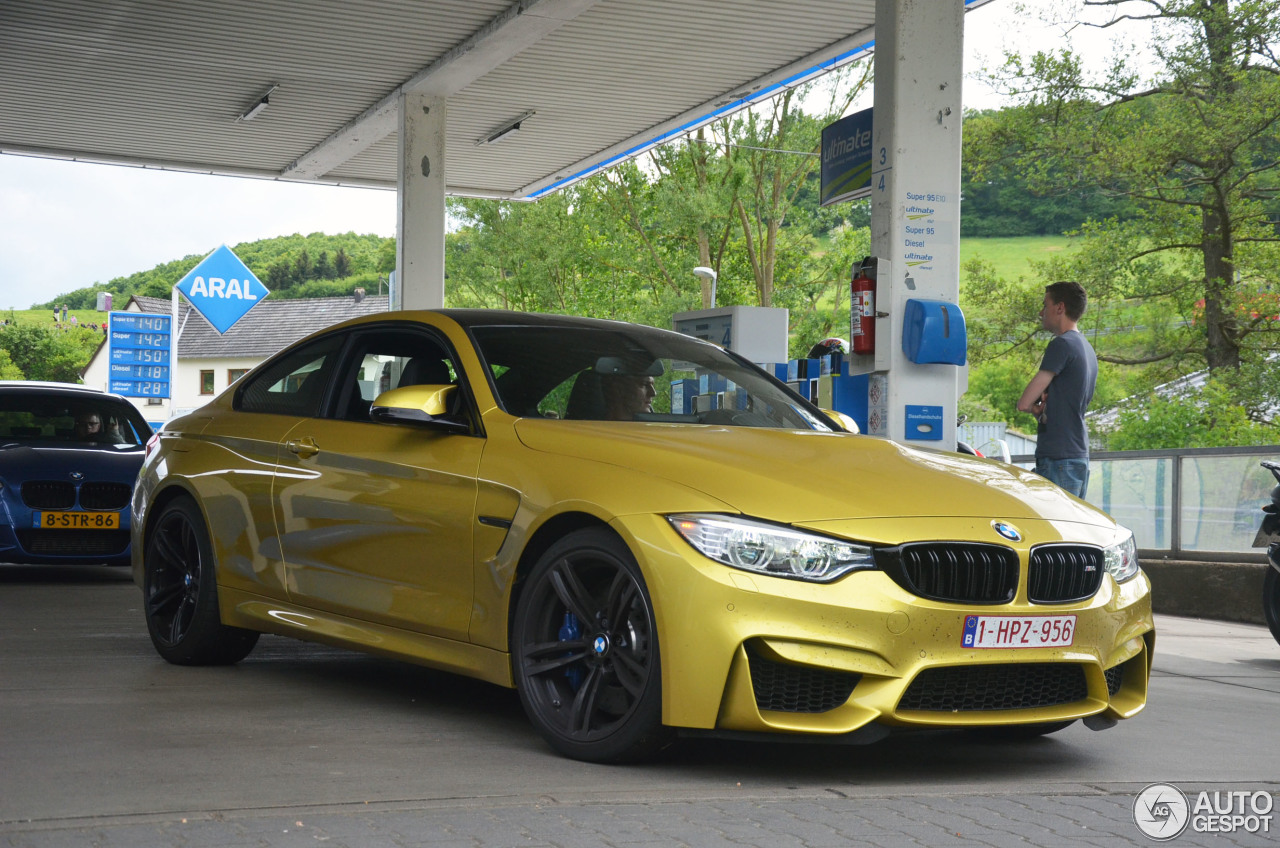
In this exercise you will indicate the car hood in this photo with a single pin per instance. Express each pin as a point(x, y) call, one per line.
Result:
point(800, 477)
point(59, 462)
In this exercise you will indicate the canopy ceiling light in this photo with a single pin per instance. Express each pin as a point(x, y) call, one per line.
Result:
point(256, 109)
point(506, 130)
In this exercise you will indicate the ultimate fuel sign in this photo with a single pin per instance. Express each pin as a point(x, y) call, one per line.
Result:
point(139, 354)
point(846, 159)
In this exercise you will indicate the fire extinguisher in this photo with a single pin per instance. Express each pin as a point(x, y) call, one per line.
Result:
point(862, 309)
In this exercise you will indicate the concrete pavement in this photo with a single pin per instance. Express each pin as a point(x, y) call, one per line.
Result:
point(103, 744)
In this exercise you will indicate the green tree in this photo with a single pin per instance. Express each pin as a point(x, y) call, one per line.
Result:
point(303, 267)
point(1002, 203)
point(323, 268)
point(8, 370)
point(1192, 151)
point(623, 244)
point(548, 256)
point(1207, 419)
point(386, 260)
point(42, 353)
point(341, 263)
point(278, 275)
point(777, 152)
point(272, 260)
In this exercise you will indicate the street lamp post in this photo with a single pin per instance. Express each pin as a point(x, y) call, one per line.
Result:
point(706, 273)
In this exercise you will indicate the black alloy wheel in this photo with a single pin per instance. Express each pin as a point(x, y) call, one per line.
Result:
point(180, 593)
point(585, 650)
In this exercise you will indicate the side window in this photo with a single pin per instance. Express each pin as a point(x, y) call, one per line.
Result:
point(123, 426)
point(389, 359)
point(294, 383)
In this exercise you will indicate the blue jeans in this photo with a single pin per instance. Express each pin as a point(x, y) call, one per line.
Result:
point(1070, 474)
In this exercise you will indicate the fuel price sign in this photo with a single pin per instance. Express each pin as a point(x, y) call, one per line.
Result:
point(139, 356)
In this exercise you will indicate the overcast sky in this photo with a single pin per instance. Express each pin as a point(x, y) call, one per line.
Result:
point(68, 225)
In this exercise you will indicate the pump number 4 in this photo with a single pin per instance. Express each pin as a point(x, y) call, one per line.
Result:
point(1013, 631)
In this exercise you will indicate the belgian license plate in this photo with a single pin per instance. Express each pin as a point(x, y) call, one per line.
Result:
point(77, 520)
point(1019, 631)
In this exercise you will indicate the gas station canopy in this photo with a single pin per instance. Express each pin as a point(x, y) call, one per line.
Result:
point(307, 91)
point(516, 100)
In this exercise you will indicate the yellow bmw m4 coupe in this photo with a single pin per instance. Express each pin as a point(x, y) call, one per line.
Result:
point(643, 534)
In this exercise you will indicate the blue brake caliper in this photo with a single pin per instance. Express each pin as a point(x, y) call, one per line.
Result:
point(569, 631)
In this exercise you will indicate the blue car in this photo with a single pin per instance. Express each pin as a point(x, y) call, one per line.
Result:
point(69, 456)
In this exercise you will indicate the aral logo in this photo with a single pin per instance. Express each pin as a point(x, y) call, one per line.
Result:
point(222, 288)
point(218, 287)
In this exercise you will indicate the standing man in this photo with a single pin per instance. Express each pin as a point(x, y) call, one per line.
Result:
point(1060, 391)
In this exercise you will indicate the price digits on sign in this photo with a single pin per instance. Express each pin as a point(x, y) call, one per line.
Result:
point(141, 323)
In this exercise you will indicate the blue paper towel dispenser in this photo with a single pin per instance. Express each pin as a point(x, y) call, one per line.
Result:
point(934, 331)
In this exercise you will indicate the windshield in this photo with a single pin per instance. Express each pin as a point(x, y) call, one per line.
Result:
point(633, 373)
point(28, 417)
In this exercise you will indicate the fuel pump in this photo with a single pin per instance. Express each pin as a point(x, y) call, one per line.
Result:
point(862, 309)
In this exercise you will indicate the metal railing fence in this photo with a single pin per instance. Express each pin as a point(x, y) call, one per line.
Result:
point(1190, 503)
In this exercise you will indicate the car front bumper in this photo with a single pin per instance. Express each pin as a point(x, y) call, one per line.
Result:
point(745, 652)
point(22, 543)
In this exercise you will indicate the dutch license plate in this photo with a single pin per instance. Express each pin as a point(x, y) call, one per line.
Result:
point(77, 520)
point(1019, 631)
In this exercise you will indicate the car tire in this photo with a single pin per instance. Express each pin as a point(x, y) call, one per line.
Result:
point(180, 593)
point(585, 651)
point(1271, 600)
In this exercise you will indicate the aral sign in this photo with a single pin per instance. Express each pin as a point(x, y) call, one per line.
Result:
point(222, 288)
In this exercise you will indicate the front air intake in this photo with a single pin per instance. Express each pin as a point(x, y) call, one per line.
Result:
point(80, 543)
point(980, 688)
point(789, 688)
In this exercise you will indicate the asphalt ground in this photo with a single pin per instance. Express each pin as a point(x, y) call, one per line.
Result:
point(104, 744)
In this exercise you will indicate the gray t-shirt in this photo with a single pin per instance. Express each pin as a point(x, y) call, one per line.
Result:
point(1062, 434)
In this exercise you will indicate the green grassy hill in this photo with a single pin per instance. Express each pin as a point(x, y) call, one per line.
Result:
point(1011, 257)
point(84, 317)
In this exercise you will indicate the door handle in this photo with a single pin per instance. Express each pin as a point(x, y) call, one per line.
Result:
point(302, 447)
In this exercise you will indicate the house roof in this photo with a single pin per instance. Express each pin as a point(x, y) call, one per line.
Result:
point(266, 329)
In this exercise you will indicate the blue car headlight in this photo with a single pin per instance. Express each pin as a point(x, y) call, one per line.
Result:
point(1121, 559)
point(771, 549)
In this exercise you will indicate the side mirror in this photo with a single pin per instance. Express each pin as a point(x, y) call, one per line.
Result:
point(420, 406)
point(846, 422)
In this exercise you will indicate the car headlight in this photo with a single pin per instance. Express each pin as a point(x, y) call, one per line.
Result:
point(771, 549)
point(1121, 559)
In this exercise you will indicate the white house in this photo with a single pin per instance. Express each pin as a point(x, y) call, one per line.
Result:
point(208, 362)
